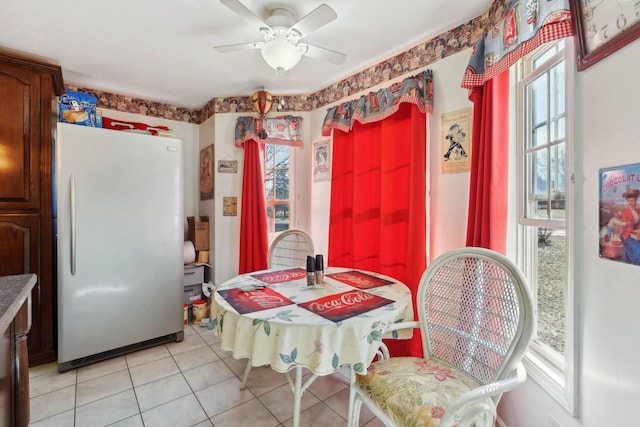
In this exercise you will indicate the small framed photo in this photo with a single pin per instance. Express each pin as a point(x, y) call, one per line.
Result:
point(229, 206)
point(227, 166)
point(206, 173)
point(321, 161)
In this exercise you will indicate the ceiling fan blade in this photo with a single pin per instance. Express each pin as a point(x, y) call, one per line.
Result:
point(236, 47)
point(245, 12)
point(319, 17)
point(324, 54)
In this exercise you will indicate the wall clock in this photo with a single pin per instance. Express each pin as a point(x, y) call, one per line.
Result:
point(603, 27)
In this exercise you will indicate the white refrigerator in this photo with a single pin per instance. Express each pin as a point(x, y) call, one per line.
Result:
point(120, 232)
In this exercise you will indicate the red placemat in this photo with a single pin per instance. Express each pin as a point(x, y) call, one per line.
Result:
point(252, 301)
point(281, 276)
point(345, 305)
point(359, 280)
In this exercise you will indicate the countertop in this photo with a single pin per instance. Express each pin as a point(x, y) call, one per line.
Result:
point(14, 291)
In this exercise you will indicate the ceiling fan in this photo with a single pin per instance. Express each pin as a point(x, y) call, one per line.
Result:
point(282, 47)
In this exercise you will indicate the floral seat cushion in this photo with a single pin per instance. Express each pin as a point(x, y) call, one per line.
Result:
point(414, 391)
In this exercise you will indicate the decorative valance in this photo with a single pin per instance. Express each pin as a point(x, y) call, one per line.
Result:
point(381, 104)
point(283, 130)
point(514, 29)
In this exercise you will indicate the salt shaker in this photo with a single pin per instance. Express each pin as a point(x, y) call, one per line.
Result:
point(319, 269)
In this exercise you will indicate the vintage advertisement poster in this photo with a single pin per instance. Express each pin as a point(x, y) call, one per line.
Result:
point(206, 173)
point(620, 214)
point(227, 166)
point(321, 161)
point(456, 141)
point(229, 206)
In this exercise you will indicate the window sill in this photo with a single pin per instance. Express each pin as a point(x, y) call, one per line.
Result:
point(550, 379)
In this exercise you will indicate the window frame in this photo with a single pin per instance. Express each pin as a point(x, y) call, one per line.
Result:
point(271, 233)
point(555, 374)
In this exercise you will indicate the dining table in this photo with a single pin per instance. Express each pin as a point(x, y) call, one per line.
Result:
point(274, 317)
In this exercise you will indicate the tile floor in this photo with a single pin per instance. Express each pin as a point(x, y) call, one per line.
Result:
point(190, 383)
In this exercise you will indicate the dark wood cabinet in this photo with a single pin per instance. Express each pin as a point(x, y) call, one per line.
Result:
point(27, 120)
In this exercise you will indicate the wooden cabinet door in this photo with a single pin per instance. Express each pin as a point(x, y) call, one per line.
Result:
point(20, 147)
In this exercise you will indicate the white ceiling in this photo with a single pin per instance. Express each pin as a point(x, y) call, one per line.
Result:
point(161, 50)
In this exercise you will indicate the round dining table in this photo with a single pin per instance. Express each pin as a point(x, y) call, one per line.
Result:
point(273, 317)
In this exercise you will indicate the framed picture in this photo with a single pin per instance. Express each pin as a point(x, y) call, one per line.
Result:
point(227, 166)
point(456, 141)
point(321, 161)
point(206, 173)
point(620, 214)
point(229, 206)
point(603, 27)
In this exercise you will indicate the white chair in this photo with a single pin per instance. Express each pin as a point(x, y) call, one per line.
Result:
point(289, 249)
point(476, 320)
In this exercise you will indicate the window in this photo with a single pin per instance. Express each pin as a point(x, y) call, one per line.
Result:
point(544, 206)
point(277, 173)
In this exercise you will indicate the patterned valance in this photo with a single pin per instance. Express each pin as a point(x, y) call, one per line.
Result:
point(283, 130)
point(515, 28)
point(381, 104)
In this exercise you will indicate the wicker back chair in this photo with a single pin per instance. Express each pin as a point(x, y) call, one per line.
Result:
point(290, 249)
point(476, 320)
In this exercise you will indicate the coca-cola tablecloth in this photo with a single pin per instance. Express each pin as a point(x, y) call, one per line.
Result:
point(321, 328)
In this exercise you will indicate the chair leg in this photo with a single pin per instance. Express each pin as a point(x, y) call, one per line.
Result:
point(353, 417)
point(245, 376)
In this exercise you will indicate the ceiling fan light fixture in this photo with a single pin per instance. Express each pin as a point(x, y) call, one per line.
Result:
point(280, 54)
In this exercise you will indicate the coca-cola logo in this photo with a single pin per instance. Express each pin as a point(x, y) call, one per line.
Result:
point(264, 300)
point(341, 301)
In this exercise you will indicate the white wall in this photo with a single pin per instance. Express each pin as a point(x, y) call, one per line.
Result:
point(189, 134)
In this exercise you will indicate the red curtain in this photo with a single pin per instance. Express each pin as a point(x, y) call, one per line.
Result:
point(254, 244)
point(487, 217)
point(378, 202)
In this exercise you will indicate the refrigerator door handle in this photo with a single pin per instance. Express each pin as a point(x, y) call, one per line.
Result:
point(72, 216)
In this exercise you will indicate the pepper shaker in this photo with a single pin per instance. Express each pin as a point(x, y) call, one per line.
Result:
point(311, 271)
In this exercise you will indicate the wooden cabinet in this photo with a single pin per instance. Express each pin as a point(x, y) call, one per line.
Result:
point(27, 120)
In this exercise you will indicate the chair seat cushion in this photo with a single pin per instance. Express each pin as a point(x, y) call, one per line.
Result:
point(414, 391)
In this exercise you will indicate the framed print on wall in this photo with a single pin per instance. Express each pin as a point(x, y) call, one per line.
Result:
point(602, 27)
point(456, 141)
point(321, 161)
point(620, 214)
point(206, 173)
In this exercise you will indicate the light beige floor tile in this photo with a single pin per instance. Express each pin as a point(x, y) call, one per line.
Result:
point(162, 391)
point(194, 358)
point(251, 413)
point(319, 415)
point(280, 402)
point(207, 375)
point(206, 423)
point(53, 403)
point(104, 386)
point(328, 385)
point(183, 412)
point(339, 403)
point(65, 419)
point(101, 368)
point(263, 379)
point(223, 396)
point(152, 371)
point(147, 355)
point(216, 346)
point(190, 342)
point(135, 421)
point(373, 423)
point(51, 381)
point(44, 369)
point(208, 335)
point(108, 410)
